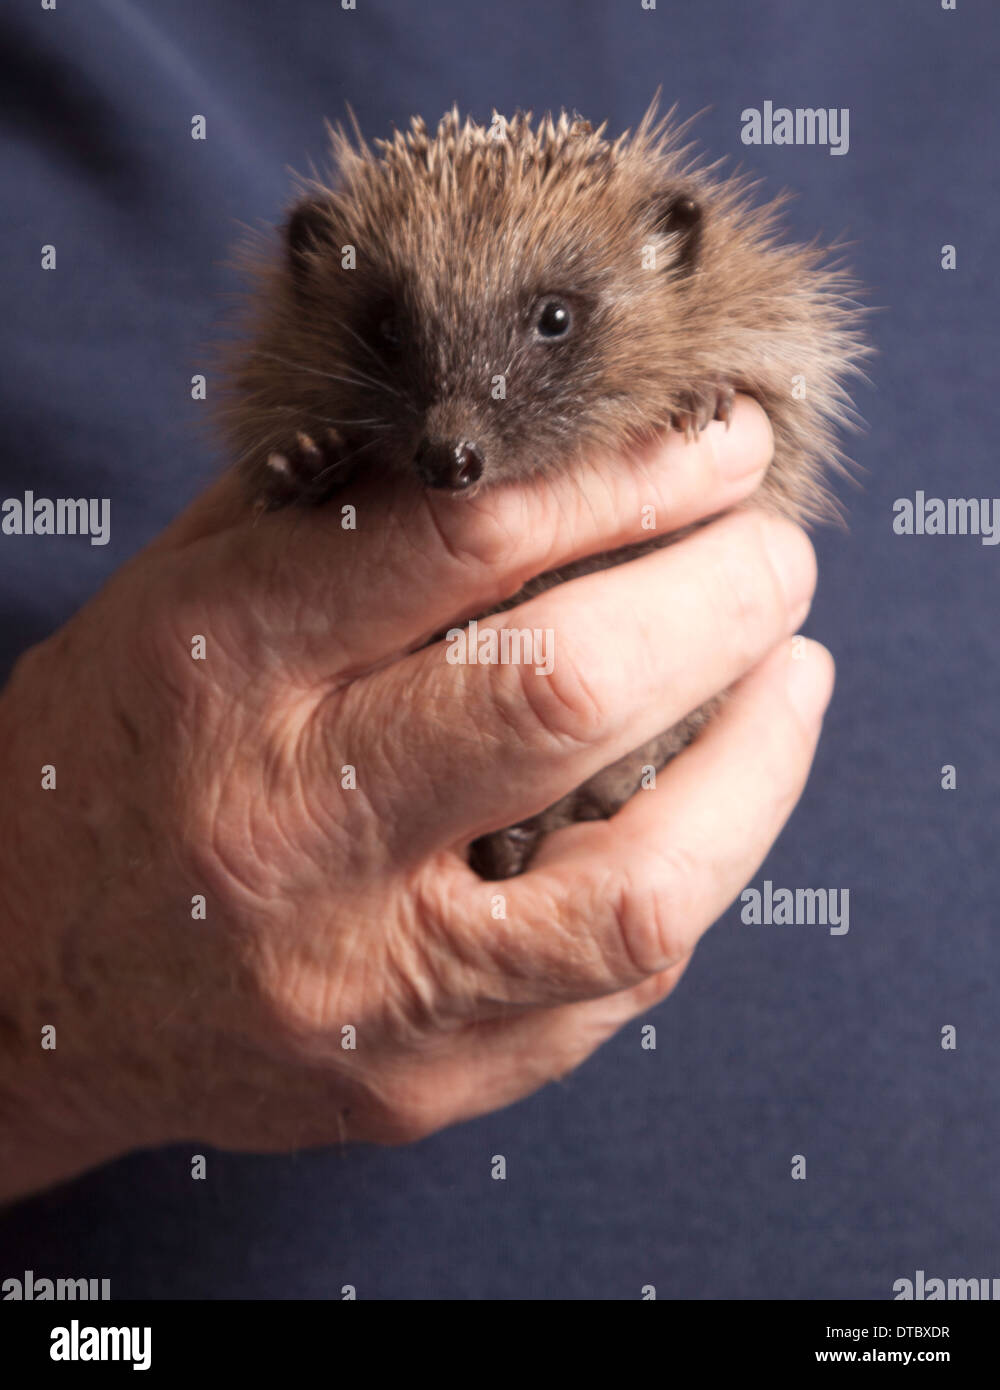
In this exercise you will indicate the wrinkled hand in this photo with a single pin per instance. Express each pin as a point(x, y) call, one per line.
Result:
point(315, 777)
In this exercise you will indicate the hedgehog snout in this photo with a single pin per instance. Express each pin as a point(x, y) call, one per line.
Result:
point(456, 465)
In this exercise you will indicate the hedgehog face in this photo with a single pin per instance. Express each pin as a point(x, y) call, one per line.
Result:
point(488, 307)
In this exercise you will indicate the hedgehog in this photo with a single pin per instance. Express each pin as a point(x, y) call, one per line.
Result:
point(478, 305)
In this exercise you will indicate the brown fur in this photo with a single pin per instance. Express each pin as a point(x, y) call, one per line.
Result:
point(460, 236)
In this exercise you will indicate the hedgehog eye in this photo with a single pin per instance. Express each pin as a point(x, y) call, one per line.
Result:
point(554, 319)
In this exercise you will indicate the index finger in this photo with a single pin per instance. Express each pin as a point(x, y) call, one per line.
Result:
point(419, 561)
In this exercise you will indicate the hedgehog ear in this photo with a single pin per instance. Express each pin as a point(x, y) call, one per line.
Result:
point(308, 227)
point(678, 214)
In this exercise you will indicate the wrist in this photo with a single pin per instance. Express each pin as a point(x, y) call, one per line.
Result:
point(56, 1073)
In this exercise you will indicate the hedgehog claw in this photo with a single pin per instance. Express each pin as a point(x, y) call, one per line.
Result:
point(724, 405)
point(293, 473)
point(309, 451)
point(701, 407)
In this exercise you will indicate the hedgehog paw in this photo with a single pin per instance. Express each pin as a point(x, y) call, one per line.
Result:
point(700, 407)
point(302, 472)
point(504, 853)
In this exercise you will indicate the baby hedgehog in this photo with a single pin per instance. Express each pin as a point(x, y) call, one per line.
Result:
point(483, 304)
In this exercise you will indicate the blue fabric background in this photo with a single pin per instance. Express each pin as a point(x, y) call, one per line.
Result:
point(668, 1167)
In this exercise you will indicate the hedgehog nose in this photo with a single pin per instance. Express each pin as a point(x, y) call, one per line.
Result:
point(455, 466)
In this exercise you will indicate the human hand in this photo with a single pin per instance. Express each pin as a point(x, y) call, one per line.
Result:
point(331, 908)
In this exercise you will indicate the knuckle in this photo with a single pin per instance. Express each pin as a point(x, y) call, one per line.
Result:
point(570, 704)
point(653, 907)
point(436, 979)
point(477, 540)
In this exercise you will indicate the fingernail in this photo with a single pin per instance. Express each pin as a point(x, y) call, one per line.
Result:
point(747, 450)
point(810, 678)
